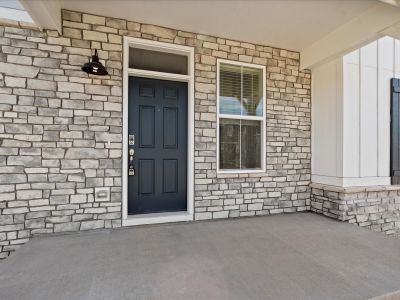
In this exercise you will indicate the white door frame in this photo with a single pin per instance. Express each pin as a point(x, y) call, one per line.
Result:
point(131, 42)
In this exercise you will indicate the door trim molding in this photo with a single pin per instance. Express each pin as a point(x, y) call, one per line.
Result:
point(131, 42)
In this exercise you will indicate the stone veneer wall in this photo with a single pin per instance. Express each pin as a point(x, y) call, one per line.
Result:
point(56, 122)
point(373, 207)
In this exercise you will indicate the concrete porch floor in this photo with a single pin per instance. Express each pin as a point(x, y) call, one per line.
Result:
point(297, 256)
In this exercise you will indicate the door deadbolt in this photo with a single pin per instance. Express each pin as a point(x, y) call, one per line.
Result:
point(131, 140)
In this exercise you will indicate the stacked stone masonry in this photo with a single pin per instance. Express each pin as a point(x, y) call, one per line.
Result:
point(56, 123)
point(374, 207)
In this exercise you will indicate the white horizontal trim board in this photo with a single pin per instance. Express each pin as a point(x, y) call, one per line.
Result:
point(350, 181)
point(158, 75)
point(351, 116)
point(128, 220)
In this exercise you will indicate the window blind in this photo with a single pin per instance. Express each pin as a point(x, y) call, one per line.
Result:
point(230, 89)
point(240, 90)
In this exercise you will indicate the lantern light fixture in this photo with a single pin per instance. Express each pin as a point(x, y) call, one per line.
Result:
point(94, 67)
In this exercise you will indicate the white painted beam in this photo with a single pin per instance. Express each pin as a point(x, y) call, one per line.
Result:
point(391, 2)
point(393, 31)
point(14, 14)
point(358, 32)
point(45, 13)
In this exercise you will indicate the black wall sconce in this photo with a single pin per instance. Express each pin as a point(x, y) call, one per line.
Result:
point(94, 67)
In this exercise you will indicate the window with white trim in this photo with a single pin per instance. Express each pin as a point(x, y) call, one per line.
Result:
point(241, 117)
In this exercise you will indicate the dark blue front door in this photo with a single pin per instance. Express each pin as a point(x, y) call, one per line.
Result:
point(158, 122)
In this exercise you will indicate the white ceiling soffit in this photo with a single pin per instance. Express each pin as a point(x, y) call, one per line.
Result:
point(360, 31)
point(319, 29)
point(393, 31)
point(289, 24)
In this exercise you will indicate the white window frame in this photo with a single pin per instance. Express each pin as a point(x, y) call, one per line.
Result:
point(263, 118)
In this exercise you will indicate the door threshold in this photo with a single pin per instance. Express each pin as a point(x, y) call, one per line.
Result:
point(157, 218)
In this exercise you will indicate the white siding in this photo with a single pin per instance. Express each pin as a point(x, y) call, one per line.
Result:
point(351, 114)
point(385, 73)
point(368, 111)
point(324, 120)
point(397, 58)
point(363, 101)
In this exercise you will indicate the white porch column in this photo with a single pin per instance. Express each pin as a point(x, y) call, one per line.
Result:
point(351, 116)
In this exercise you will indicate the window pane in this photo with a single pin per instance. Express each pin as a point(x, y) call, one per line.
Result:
point(158, 61)
point(241, 90)
point(230, 89)
point(240, 144)
point(252, 103)
point(251, 144)
point(229, 150)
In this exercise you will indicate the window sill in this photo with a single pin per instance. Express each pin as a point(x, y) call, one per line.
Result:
point(235, 172)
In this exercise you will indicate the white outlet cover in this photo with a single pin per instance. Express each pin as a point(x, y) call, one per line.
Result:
point(102, 194)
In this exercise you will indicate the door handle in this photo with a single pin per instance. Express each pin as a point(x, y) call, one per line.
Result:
point(131, 168)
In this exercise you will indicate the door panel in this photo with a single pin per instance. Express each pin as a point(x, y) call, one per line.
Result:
point(158, 119)
point(170, 176)
point(146, 176)
point(170, 134)
point(147, 126)
point(171, 93)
